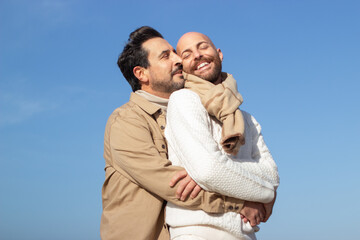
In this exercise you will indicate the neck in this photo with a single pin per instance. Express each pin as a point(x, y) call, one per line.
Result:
point(220, 79)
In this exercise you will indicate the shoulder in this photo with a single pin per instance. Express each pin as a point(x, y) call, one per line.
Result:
point(185, 100)
point(184, 95)
point(187, 104)
point(127, 113)
point(251, 121)
point(128, 110)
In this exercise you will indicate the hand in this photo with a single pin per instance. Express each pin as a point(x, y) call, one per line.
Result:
point(253, 212)
point(186, 185)
point(268, 208)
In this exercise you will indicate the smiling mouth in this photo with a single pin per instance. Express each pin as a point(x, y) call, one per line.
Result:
point(201, 65)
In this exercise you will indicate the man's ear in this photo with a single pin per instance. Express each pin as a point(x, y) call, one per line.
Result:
point(220, 54)
point(141, 74)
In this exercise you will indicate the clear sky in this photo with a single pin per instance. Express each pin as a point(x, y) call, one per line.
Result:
point(297, 64)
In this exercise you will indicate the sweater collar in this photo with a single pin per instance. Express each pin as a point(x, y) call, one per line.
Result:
point(159, 101)
point(146, 102)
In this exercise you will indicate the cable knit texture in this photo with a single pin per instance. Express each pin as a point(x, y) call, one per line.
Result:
point(194, 143)
point(222, 101)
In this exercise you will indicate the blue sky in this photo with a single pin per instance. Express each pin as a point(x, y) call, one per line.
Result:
point(297, 64)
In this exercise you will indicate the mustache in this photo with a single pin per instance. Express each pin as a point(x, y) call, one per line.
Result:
point(179, 68)
point(200, 60)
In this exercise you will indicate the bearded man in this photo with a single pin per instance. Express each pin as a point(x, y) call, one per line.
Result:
point(220, 147)
point(137, 171)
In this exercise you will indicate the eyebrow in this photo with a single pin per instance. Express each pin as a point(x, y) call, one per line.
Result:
point(164, 52)
point(197, 45)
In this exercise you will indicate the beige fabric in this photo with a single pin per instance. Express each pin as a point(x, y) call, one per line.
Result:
point(158, 101)
point(137, 176)
point(222, 101)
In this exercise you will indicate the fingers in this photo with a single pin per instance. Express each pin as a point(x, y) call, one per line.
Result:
point(268, 210)
point(269, 207)
point(177, 177)
point(244, 218)
point(188, 189)
point(253, 220)
point(185, 187)
point(182, 185)
point(267, 215)
point(196, 191)
point(262, 214)
point(260, 217)
point(256, 222)
point(253, 212)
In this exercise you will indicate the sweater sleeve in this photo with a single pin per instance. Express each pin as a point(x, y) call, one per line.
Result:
point(188, 133)
point(261, 154)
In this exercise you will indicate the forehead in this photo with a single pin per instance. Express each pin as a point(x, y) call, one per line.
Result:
point(191, 39)
point(155, 46)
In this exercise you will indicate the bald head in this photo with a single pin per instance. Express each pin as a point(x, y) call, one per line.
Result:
point(200, 56)
point(189, 38)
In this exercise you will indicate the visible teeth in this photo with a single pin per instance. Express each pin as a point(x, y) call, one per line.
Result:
point(202, 65)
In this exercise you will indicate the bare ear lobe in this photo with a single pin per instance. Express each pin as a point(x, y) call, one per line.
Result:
point(220, 54)
point(139, 73)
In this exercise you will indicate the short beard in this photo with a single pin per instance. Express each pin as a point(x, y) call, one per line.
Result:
point(168, 87)
point(215, 74)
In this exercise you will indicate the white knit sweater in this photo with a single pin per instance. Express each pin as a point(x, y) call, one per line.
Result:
point(194, 143)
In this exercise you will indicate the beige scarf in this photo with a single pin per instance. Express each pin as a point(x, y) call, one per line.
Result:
point(222, 101)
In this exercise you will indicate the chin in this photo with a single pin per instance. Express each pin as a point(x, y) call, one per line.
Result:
point(179, 84)
point(178, 78)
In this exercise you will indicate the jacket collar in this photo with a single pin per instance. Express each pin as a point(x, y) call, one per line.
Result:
point(144, 104)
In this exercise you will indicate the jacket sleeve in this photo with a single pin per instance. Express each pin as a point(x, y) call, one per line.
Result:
point(134, 150)
point(188, 133)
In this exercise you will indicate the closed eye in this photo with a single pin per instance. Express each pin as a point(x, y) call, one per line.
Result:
point(203, 46)
point(185, 55)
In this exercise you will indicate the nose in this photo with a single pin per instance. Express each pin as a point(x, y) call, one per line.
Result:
point(197, 54)
point(177, 59)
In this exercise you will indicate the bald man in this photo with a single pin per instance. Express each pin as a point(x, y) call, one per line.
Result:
point(220, 147)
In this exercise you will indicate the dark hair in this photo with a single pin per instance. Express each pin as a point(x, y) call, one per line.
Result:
point(134, 55)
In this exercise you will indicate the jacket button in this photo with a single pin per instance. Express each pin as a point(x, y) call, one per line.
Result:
point(162, 127)
point(163, 146)
point(231, 208)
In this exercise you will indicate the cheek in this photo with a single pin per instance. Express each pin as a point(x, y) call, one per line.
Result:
point(186, 65)
point(161, 68)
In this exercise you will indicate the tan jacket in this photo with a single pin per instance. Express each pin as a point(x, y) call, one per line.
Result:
point(137, 176)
